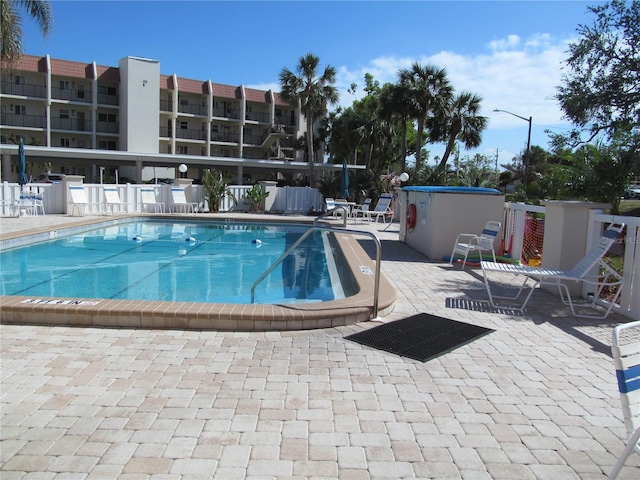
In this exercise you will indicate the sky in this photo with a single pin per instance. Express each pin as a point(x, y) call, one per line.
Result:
point(511, 53)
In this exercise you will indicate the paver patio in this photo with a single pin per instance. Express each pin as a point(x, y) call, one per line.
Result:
point(536, 399)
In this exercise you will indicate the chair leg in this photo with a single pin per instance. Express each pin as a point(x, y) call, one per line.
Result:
point(631, 445)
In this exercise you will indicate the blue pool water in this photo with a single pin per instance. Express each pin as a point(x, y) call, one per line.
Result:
point(178, 261)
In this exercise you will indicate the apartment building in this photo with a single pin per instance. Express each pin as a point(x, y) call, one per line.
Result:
point(80, 118)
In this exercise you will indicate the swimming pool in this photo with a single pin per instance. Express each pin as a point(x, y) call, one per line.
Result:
point(309, 289)
point(180, 261)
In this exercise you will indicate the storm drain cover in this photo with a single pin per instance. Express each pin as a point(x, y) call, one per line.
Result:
point(421, 337)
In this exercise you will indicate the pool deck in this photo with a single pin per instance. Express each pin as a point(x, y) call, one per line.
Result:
point(536, 399)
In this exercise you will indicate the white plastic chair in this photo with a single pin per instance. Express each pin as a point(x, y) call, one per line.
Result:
point(586, 270)
point(148, 196)
point(467, 243)
point(112, 201)
point(382, 208)
point(625, 348)
point(180, 203)
point(78, 200)
point(361, 209)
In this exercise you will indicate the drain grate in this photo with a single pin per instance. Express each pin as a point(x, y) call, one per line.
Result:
point(420, 337)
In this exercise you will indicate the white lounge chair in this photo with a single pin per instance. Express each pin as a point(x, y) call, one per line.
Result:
point(467, 243)
point(626, 358)
point(361, 209)
point(382, 208)
point(112, 201)
point(148, 196)
point(180, 203)
point(78, 200)
point(586, 271)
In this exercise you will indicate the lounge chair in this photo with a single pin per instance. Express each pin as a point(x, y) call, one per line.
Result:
point(333, 207)
point(582, 272)
point(112, 201)
point(361, 209)
point(382, 208)
point(180, 203)
point(78, 200)
point(626, 358)
point(467, 243)
point(148, 196)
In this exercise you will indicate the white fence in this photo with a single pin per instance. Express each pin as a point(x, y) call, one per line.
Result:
point(283, 199)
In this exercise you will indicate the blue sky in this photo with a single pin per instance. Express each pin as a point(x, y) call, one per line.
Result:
point(509, 52)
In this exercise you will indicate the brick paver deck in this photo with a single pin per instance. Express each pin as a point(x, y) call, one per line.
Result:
point(536, 399)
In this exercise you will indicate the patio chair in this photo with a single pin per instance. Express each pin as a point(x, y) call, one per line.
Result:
point(625, 348)
point(78, 200)
point(112, 201)
point(361, 209)
point(382, 208)
point(149, 201)
point(583, 272)
point(180, 203)
point(333, 207)
point(467, 243)
point(26, 206)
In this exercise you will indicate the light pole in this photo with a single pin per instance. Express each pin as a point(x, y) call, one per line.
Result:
point(526, 156)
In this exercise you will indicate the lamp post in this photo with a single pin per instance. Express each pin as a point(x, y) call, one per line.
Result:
point(526, 158)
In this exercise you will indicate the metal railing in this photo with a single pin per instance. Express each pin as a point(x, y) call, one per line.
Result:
point(376, 287)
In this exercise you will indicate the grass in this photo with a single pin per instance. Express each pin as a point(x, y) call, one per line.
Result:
point(630, 208)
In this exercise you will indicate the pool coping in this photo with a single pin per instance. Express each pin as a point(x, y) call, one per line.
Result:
point(200, 315)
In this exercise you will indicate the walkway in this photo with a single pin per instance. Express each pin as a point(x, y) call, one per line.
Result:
point(536, 399)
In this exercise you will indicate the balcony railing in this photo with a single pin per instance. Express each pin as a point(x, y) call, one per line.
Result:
point(190, 134)
point(73, 124)
point(72, 94)
point(192, 109)
point(23, 90)
point(227, 113)
point(27, 121)
point(165, 106)
point(108, 127)
point(258, 117)
point(225, 137)
point(105, 99)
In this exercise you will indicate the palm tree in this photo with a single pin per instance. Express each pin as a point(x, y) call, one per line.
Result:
point(312, 93)
point(395, 104)
point(463, 123)
point(11, 28)
point(428, 93)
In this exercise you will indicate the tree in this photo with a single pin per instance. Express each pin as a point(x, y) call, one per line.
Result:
point(428, 94)
point(601, 92)
point(312, 92)
point(11, 27)
point(462, 122)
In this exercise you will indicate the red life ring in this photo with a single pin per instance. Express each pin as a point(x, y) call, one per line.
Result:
point(411, 216)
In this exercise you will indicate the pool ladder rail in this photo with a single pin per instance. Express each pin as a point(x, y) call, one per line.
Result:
point(376, 290)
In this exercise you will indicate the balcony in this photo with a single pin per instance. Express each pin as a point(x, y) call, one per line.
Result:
point(232, 113)
point(192, 109)
point(165, 106)
point(70, 124)
point(258, 117)
point(106, 99)
point(71, 94)
point(108, 127)
point(23, 90)
point(25, 121)
point(190, 134)
point(225, 137)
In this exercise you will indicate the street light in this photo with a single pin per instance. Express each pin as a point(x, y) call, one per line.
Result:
point(526, 162)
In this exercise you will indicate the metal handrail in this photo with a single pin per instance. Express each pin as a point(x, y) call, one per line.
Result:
point(329, 229)
point(345, 214)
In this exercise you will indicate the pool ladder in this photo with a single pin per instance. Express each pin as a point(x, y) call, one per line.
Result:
point(376, 290)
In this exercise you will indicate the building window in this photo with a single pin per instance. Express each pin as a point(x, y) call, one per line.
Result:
point(183, 150)
point(183, 100)
point(64, 113)
point(104, 90)
point(107, 117)
point(65, 142)
point(19, 80)
point(20, 109)
point(184, 125)
point(64, 85)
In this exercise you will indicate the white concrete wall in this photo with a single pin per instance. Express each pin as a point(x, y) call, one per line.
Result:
point(442, 216)
point(139, 104)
